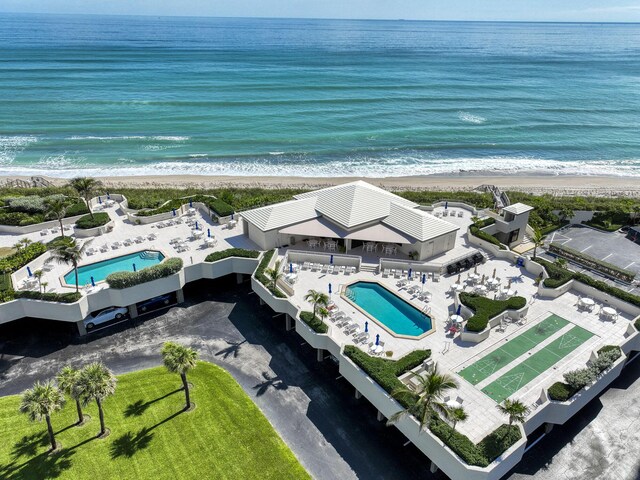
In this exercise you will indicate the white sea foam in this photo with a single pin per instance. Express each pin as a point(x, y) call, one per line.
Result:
point(276, 153)
point(470, 118)
point(159, 138)
point(12, 145)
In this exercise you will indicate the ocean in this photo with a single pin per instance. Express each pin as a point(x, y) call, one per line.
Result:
point(100, 95)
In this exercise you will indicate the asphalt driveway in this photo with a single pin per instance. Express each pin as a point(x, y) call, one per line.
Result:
point(333, 434)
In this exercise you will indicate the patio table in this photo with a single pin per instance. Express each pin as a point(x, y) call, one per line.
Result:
point(456, 318)
point(458, 287)
point(610, 312)
point(191, 211)
point(587, 302)
point(377, 349)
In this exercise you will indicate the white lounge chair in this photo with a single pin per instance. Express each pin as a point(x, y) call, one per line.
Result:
point(127, 242)
point(116, 245)
point(152, 236)
point(139, 239)
point(436, 277)
point(305, 266)
point(460, 213)
point(44, 232)
point(104, 248)
point(386, 272)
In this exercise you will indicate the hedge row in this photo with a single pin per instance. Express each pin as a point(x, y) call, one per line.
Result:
point(485, 309)
point(262, 278)
point(99, 219)
point(120, 280)
point(386, 372)
point(559, 276)
point(232, 252)
point(69, 297)
point(314, 323)
point(561, 392)
point(485, 222)
point(220, 207)
point(19, 259)
point(482, 454)
point(591, 262)
point(476, 232)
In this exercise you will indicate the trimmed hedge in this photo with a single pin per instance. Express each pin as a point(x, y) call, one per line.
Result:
point(220, 207)
point(559, 276)
point(485, 309)
point(476, 232)
point(386, 372)
point(485, 222)
point(232, 252)
point(17, 260)
point(591, 262)
point(316, 324)
point(561, 392)
point(120, 280)
point(99, 219)
point(262, 278)
point(69, 297)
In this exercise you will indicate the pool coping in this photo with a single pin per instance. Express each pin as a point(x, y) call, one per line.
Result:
point(64, 284)
point(378, 322)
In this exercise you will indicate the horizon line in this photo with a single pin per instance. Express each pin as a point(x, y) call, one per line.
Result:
point(569, 22)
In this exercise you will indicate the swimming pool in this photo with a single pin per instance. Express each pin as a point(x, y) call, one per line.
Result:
point(384, 306)
point(100, 270)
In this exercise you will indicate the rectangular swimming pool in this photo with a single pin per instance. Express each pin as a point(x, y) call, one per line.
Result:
point(388, 309)
point(100, 270)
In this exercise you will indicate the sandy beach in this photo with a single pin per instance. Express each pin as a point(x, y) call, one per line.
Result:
point(604, 186)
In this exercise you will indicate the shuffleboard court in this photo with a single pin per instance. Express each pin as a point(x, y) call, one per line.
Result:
point(536, 364)
point(501, 357)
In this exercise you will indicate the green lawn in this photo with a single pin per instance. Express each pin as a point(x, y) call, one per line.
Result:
point(226, 436)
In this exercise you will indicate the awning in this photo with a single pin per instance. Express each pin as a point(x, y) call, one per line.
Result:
point(319, 227)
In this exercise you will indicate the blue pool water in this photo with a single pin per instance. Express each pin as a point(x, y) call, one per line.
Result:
point(100, 270)
point(389, 309)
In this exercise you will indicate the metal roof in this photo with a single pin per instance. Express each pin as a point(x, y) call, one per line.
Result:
point(518, 208)
point(316, 227)
point(320, 227)
point(281, 214)
point(419, 224)
point(355, 203)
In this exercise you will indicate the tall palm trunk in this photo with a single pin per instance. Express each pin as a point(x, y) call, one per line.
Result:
point(79, 409)
point(186, 390)
point(535, 249)
point(88, 200)
point(75, 269)
point(101, 415)
point(61, 227)
point(52, 438)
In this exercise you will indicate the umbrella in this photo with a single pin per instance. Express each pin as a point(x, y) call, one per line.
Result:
point(331, 259)
point(190, 203)
point(196, 225)
point(446, 205)
point(232, 216)
point(209, 232)
point(377, 339)
point(366, 327)
point(459, 309)
point(475, 270)
point(174, 212)
point(482, 281)
point(424, 280)
point(494, 273)
point(99, 199)
point(291, 268)
point(108, 195)
point(29, 272)
point(93, 282)
point(329, 289)
point(410, 271)
point(134, 267)
point(459, 277)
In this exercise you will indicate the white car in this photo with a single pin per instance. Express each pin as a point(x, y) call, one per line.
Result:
point(112, 313)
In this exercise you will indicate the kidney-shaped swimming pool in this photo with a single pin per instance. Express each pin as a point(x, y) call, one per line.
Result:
point(388, 309)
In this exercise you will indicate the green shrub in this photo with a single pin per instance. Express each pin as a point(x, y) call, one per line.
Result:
point(609, 220)
point(221, 208)
point(30, 209)
point(485, 309)
point(99, 219)
point(19, 259)
point(31, 203)
point(232, 252)
point(485, 222)
point(591, 262)
point(580, 378)
point(561, 392)
point(476, 232)
point(121, 280)
point(498, 441)
point(69, 297)
point(262, 278)
point(316, 324)
point(59, 241)
point(386, 372)
point(559, 276)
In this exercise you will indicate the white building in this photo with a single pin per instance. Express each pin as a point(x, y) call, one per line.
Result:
point(352, 215)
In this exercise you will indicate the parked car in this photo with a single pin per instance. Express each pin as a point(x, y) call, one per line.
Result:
point(112, 313)
point(155, 302)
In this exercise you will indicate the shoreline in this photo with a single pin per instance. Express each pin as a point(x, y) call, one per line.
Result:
point(562, 185)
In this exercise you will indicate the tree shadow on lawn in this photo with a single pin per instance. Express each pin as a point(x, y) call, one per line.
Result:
point(269, 381)
point(128, 444)
point(138, 407)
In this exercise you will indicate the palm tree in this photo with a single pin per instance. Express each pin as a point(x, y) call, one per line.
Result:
point(274, 274)
point(67, 380)
point(317, 299)
point(565, 213)
point(70, 253)
point(56, 207)
point(38, 274)
point(180, 359)
point(538, 241)
point(95, 382)
point(40, 402)
point(22, 244)
point(431, 389)
point(457, 414)
point(85, 187)
point(515, 409)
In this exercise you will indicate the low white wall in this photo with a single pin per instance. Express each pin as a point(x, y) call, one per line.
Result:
point(405, 265)
point(93, 232)
point(36, 227)
point(300, 256)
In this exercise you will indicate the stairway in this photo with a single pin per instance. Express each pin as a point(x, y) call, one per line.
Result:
point(368, 267)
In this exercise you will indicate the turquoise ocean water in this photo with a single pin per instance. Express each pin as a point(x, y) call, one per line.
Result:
point(144, 95)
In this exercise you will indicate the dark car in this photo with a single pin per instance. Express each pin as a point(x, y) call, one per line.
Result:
point(155, 303)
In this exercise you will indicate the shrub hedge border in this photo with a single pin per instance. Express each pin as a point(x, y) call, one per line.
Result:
point(485, 309)
point(232, 252)
point(120, 280)
point(220, 207)
point(262, 278)
point(99, 219)
point(316, 324)
point(592, 262)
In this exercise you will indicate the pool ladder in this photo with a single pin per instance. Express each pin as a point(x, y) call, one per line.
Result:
point(350, 294)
